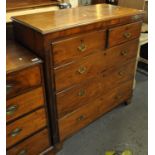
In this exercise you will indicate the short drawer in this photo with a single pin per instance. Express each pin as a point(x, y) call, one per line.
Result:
point(123, 33)
point(78, 119)
point(94, 64)
point(33, 145)
point(20, 81)
point(24, 103)
point(25, 126)
point(67, 50)
point(73, 98)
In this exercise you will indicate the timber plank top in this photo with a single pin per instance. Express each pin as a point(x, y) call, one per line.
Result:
point(18, 57)
point(53, 21)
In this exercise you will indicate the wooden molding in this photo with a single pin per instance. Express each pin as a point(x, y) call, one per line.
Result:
point(12, 5)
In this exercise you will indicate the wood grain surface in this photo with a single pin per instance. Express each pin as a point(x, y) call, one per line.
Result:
point(68, 18)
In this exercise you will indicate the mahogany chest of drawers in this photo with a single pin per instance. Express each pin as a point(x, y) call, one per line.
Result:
point(26, 113)
point(90, 55)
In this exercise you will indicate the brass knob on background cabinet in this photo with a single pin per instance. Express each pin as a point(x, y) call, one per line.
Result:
point(82, 70)
point(11, 109)
point(127, 35)
point(22, 152)
point(15, 132)
point(8, 88)
point(82, 46)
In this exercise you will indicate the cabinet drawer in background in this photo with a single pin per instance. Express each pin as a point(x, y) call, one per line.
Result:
point(25, 126)
point(24, 103)
point(94, 64)
point(23, 80)
point(123, 33)
point(78, 119)
point(67, 50)
point(33, 145)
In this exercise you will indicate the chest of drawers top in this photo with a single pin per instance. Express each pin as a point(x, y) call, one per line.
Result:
point(18, 57)
point(69, 18)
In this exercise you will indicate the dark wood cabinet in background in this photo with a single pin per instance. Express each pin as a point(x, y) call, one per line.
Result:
point(23, 4)
point(27, 129)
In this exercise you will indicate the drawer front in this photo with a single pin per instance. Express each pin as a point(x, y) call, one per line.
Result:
point(23, 80)
point(24, 103)
point(69, 49)
point(25, 126)
point(33, 145)
point(94, 64)
point(88, 113)
point(124, 33)
point(71, 99)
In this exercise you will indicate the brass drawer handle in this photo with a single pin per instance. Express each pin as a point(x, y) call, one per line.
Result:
point(121, 73)
point(82, 117)
point(15, 132)
point(124, 53)
point(11, 110)
point(8, 88)
point(82, 70)
point(23, 152)
point(82, 46)
point(81, 93)
point(127, 35)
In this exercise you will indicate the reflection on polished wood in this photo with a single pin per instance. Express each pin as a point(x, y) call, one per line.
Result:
point(68, 18)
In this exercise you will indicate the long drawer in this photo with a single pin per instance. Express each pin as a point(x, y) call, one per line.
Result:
point(25, 126)
point(78, 119)
point(70, 99)
point(33, 145)
point(24, 103)
point(94, 64)
point(20, 81)
point(67, 50)
point(124, 33)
